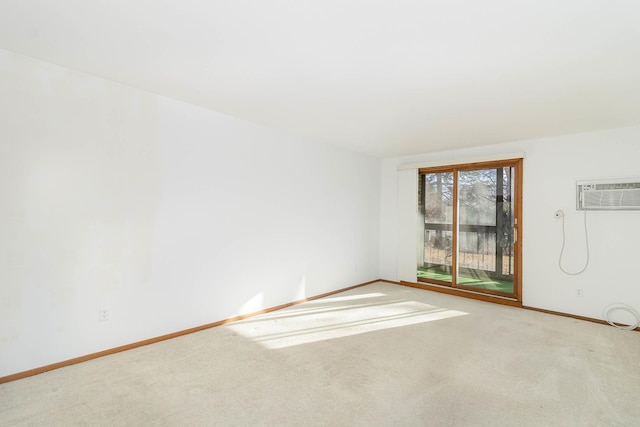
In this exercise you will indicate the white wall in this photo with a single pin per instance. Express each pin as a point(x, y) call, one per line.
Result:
point(168, 215)
point(551, 168)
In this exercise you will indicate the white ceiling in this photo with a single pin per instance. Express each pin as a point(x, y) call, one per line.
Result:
point(381, 77)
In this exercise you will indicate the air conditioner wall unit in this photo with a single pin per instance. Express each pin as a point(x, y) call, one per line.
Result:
point(608, 195)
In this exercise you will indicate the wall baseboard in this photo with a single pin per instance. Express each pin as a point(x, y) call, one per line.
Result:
point(43, 369)
point(64, 363)
point(389, 281)
point(572, 316)
point(498, 300)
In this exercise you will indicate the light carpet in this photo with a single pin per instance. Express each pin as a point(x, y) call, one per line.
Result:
point(378, 355)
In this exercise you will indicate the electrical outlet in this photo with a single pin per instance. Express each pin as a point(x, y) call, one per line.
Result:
point(579, 293)
point(559, 214)
point(104, 314)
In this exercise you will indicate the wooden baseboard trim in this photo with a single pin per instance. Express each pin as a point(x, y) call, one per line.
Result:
point(465, 294)
point(492, 299)
point(390, 281)
point(572, 316)
point(53, 366)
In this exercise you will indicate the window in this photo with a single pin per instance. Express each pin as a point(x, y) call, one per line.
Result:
point(469, 220)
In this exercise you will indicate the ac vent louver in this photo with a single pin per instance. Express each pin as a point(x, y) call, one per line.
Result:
point(608, 195)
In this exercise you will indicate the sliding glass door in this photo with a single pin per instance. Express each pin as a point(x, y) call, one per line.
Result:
point(469, 215)
point(436, 213)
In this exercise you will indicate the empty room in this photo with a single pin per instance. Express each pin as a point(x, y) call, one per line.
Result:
point(329, 213)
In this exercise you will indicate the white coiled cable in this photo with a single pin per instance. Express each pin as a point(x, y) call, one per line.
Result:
point(564, 238)
point(608, 311)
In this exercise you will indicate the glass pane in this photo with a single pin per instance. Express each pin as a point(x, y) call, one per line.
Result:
point(477, 194)
point(485, 238)
point(438, 200)
point(436, 207)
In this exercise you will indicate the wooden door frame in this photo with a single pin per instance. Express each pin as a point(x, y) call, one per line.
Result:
point(484, 294)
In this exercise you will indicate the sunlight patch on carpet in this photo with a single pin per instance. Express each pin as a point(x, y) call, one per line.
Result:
point(331, 318)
